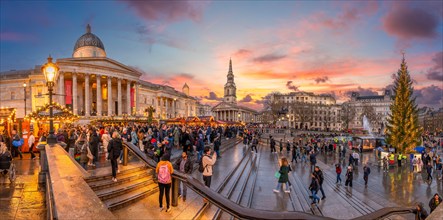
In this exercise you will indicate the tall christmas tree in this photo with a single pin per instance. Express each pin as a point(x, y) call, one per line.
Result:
point(403, 131)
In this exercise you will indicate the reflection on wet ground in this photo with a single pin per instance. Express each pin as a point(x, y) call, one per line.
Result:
point(24, 199)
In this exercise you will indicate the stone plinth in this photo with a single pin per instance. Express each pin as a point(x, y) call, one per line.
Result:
point(73, 198)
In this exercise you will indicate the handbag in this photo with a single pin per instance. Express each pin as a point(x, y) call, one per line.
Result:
point(77, 157)
point(277, 174)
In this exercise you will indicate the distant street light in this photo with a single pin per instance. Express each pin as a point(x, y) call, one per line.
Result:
point(24, 92)
point(50, 70)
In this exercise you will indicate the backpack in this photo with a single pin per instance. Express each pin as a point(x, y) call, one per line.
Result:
point(17, 143)
point(164, 175)
point(200, 165)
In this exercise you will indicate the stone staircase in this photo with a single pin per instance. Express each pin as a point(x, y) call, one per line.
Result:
point(132, 185)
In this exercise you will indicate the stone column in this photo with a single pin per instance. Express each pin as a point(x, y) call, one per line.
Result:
point(74, 94)
point(119, 96)
point(157, 109)
point(174, 108)
point(61, 88)
point(109, 96)
point(87, 96)
point(99, 95)
point(165, 103)
point(128, 97)
point(136, 98)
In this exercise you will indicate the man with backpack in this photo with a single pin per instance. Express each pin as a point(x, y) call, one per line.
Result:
point(206, 165)
point(319, 175)
point(184, 165)
point(164, 172)
point(366, 172)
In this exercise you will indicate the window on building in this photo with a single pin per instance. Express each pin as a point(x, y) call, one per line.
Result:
point(12, 95)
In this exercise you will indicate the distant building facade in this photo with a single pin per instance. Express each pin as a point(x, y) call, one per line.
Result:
point(228, 109)
point(375, 107)
point(306, 110)
point(431, 120)
point(92, 85)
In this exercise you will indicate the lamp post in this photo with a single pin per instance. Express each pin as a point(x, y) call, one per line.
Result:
point(24, 92)
point(50, 70)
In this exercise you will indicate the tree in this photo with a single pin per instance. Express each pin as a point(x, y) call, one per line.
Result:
point(369, 112)
point(347, 114)
point(403, 131)
point(303, 112)
point(273, 107)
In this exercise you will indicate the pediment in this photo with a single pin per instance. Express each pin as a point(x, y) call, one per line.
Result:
point(99, 62)
point(224, 105)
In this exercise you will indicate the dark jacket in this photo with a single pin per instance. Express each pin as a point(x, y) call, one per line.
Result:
point(366, 171)
point(349, 175)
point(188, 165)
point(284, 171)
point(114, 147)
point(422, 214)
point(81, 147)
point(314, 184)
point(94, 140)
point(433, 204)
point(319, 175)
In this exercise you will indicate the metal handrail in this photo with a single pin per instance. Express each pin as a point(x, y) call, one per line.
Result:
point(241, 212)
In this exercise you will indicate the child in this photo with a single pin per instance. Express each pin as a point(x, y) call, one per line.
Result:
point(338, 172)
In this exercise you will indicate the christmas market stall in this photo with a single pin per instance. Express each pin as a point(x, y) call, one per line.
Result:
point(7, 120)
point(124, 120)
point(39, 119)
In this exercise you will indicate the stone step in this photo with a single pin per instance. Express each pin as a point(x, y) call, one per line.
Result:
point(131, 197)
point(111, 192)
point(109, 175)
point(125, 178)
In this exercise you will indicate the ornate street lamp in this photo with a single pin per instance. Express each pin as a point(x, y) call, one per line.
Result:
point(50, 70)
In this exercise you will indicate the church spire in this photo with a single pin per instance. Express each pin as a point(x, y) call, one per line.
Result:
point(230, 66)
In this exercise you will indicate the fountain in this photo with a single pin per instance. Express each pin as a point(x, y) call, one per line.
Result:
point(367, 125)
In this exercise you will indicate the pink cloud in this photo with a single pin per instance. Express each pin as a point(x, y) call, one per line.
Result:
point(168, 11)
point(15, 37)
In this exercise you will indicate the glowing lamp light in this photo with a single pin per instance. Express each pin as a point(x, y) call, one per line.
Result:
point(50, 71)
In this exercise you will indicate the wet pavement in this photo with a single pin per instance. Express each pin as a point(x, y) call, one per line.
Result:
point(23, 199)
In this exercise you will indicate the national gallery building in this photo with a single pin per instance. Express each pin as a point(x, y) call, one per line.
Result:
point(92, 85)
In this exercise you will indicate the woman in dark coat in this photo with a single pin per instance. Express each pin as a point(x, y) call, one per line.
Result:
point(81, 147)
point(284, 177)
point(349, 176)
point(435, 201)
point(114, 148)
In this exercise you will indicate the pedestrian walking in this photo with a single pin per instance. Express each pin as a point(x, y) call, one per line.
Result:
point(314, 189)
point(366, 172)
point(217, 144)
point(94, 140)
point(319, 175)
point(184, 165)
point(164, 172)
point(429, 172)
point(349, 176)
point(114, 148)
point(385, 164)
point(254, 144)
point(419, 165)
point(438, 168)
point(399, 158)
point(284, 176)
point(17, 144)
point(338, 172)
point(294, 154)
point(313, 159)
point(281, 145)
point(272, 143)
point(288, 147)
point(434, 202)
point(31, 144)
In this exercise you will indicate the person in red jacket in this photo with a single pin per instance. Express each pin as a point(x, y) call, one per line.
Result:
point(338, 171)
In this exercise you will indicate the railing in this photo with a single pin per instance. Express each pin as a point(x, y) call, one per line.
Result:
point(241, 212)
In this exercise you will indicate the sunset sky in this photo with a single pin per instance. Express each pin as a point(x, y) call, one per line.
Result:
point(317, 46)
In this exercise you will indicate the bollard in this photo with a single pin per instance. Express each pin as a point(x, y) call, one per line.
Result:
point(175, 186)
point(125, 156)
